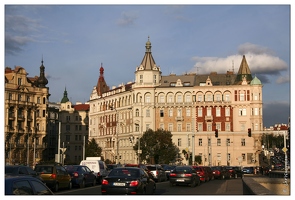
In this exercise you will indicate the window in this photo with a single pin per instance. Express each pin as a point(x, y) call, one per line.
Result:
point(179, 98)
point(200, 127)
point(227, 98)
point(217, 111)
point(218, 126)
point(137, 127)
point(28, 99)
point(170, 127)
point(200, 142)
point(200, 112)
point(137, 113)
point(162, 126)
point(227, 111)
point(19, 97)
point(179, 112)
point(227, 141)
point(68, 128)
point(170, 112)
point(68, 118)
point(22, 188)
point(148, 113)
point(148, 99)
point(218, 142)
point(147, 126)
point(19, 81)
point(188, 98)
point(209, 141)
point(256, 111)
point(179, 128)
point(38, 100)
point(227, 126)
point(162, 100)
point(217, 97)
point(242, 112)
point(155, 78)
point(243, 142)
point(179, 142)
point(209, 97)
point(209, 111)
point(188, 127)
point(242, 96)
point(200, 97)
point(188, 112)
point(244, 157)
point(141, 78)
point(170, 98)
point(209, 127)
point(161, 113)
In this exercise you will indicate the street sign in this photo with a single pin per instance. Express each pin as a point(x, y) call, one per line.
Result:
point(285, 149)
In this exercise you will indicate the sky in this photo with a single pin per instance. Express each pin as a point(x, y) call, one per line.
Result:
point(74, 41)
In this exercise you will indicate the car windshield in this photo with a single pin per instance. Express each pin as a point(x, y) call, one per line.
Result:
point(167, 167)
point(124, 172)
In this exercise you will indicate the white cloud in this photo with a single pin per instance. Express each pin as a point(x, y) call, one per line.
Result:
point(283, 79)
point(261, 60)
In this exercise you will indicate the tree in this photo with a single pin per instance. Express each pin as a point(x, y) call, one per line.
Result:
point(157, 147)
point(92, 149)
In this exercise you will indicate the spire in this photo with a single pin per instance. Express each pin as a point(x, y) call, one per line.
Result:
point(101, 86)
point(65, 97)
point(148, 62)
point(244, 72)
point(42, 81)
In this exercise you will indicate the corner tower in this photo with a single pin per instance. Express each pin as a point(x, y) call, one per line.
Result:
point(148, 74)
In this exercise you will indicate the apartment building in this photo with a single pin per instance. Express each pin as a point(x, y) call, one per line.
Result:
point(26, 100)
point(192, 106)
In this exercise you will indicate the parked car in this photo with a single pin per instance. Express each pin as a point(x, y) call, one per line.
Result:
point(168, 169)
point(21, 170)
point(158, 172)
point(202, 172)
point(220, 172)
point(54, 175)
point(25, 185)
point(235, 171)
point(248, 170)
point(81, 175)
point(128, 180)
point(184, 175)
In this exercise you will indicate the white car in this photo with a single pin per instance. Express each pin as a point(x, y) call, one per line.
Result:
point(158, 172)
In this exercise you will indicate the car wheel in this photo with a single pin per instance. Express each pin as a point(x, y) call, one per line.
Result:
point(56, 187)
point(199, 183)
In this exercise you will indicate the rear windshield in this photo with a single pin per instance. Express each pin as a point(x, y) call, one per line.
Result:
point(44, 169)
point(183, 169)
point(124, 172)
point(71, 168)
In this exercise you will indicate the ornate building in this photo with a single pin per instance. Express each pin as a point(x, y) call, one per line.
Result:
point(192, 106)
point(26, 101)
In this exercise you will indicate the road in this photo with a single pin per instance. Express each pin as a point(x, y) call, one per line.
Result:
point(213, 187)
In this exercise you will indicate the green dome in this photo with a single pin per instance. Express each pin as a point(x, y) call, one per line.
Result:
point(255, 81)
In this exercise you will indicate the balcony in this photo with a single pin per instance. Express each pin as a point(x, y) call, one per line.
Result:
point(179, 118)
point(21, 118)
point(209, 118)
point(29, 118)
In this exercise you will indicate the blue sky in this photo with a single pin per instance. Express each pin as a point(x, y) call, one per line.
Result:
point(75, 40)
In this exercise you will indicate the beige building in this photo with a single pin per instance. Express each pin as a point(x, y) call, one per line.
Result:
point(26, 100)
point(191, 106)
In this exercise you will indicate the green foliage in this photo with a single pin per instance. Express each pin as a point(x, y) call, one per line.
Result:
point(272, 141)
point(92, 149)
point(157, 147)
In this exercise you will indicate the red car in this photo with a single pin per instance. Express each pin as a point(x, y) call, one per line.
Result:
point(220, 172)
point(202, 172)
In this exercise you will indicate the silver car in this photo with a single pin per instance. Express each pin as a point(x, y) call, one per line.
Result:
point(158, 172)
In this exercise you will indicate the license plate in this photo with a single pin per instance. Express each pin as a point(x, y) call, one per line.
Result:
point(179, 180)
point(119, 184)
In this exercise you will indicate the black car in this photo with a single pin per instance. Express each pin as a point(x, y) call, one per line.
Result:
point(25, 185)
point(128, 180)
point(21, 170)
point(184, 175)
point(81, 175)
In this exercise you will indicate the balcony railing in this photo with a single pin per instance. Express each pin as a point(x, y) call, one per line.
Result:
point(209, 117)
point(179, 118)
